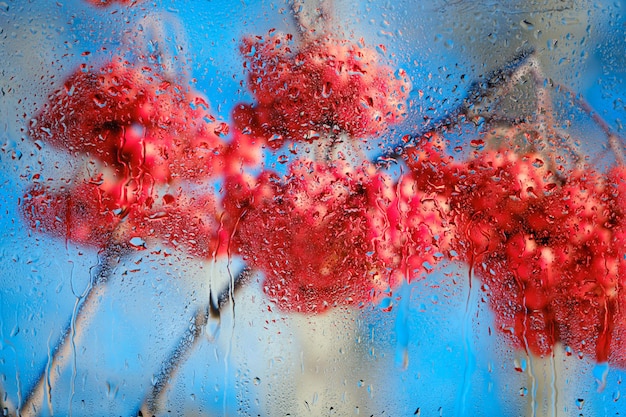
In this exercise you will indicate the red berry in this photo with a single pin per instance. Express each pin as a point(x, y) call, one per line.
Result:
point(540, 244)
point(104, 3)
point(416, 234)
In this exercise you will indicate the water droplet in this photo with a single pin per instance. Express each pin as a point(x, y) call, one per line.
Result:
point(137, 243)
point(477, 143)
point(579, 403)
point(550, 187)
point(112, 390)
point(69, 89)
point(221, 129)
point(600, 372)
point(326, 90)
point(552, 44)
point(312, 135)
point(168, 199)
point(99, 101)
point(212, 327)
point(386, 305)
point(402, 358)
point(520, 365)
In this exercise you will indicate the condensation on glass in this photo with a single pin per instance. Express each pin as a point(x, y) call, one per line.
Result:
point(312, 208)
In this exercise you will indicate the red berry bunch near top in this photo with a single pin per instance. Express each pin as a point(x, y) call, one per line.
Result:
point(333, 231)
point(318, 87)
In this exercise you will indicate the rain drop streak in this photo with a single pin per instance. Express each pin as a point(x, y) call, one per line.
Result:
point(531, 366)
point(554, 393)
point(470, 360)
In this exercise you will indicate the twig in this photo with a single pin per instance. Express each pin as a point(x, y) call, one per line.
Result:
point(483, 94)
point(487, 90)
point(163, 40)
point(616, 142)
point(312, 21)
point(186, 344)
point(85, 310)
point(477, 103)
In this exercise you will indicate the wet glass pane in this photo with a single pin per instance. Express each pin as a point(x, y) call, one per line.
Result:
point(312, 207)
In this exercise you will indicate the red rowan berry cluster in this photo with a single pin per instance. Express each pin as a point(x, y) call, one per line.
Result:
point(546, 248)
point(145, 135)
point(322, 87)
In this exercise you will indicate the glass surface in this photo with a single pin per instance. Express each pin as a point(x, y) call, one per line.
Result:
point(322, 207)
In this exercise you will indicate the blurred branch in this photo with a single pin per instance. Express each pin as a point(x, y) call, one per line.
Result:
point(615, 141)
point(477, 104)
point(478, 107)
point(312, 18)
point(64, 351)
point(187, 343)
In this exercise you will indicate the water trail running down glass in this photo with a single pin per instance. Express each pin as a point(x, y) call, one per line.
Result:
point(533, 404)
point(7, 343)
point(231, 297)
point(554, 394)
point(402, 328)
point(77, 306)
point(48, 393)
point(468, 348)
point(213, 318)
point(80, 299)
